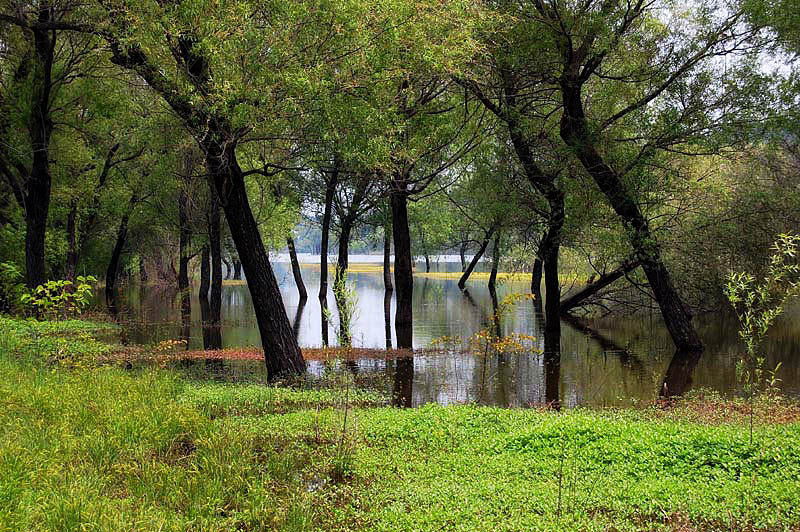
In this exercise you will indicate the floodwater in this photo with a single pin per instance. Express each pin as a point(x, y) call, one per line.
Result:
point(615, 362)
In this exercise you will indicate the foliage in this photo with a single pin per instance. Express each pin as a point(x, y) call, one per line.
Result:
point(759, 303)
point(12, 288)
point(60, 299)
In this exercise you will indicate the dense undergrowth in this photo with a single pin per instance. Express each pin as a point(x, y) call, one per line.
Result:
point(95, 447)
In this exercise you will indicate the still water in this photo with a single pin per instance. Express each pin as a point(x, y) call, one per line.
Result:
point(617, 361)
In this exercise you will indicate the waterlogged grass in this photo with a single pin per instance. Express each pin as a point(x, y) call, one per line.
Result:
point(101, 448)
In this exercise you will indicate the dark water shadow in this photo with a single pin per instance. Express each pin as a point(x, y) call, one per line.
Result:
point(403, 382)
point(678, 377)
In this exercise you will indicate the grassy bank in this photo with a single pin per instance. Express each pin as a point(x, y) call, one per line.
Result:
point(87, 447)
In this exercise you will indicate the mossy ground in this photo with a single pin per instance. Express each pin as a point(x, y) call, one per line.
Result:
point(96, 447)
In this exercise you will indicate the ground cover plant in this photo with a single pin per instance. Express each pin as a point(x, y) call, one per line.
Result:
point(97, 447)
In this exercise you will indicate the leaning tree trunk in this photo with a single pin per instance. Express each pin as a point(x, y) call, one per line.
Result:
point(465, 276)
point(387, 260)
point(462, 252)
point(330, 190)
point(298, 276)
point(281, 351)
point(403, 275)
point(576, 134)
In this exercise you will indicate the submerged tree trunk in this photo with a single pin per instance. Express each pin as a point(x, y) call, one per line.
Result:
point(298, 276)
point(227, 268)
point(463, 280)
point(184, 242)
point(330, 190)
point(281, 351)
point(387, 260)
point(403, 274)
point(495, 262)
point(576, 134)
point(536, 276)
point(237, 270)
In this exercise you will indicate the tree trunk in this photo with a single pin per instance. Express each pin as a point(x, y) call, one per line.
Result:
point(113, 264)
point(462, 250)
point(387, 267)
point(495, 262)
point(227, 268)
point(298, 276)
point(344, 249)
point(589, 290)
point(575, 132)
point(465, 276)
point(536, 276)
point(281, 352)
point(205, 275)
point(237, 270)
point(184, 242)
point(37, 204)
point(403, 274)
point(72, 245)
point(330, 190)
point(214, 228)
point(551, 245)
point(387, 317)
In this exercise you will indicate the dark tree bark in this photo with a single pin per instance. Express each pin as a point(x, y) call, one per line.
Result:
point(218, 139)
point(113, 264)
point(387, 260)
point(323, 309)
point(298, 317)
point(462, 251)
point(37, 201)
point(215, 247)
point(342, 261)
point(184, 242)
point(237, 270)
point(298, 275)
point(403, 274)
point(536, 276)
point(495, 262)
point(678, 378)
point(330, 190)
point(205, 275)
point(579, 297)
point(403, 382)
point(387, 317)
point(227, 268)
point(465, 276)
point(576, 134)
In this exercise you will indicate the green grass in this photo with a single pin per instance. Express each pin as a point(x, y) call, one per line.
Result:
point(87, 447)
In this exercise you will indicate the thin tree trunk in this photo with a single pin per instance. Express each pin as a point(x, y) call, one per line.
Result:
point(72, 246)
point(465, 276)
point(298, 275)
point(403, 275)
point(462, 250)
point(536, 276)
point(387, 267)
point(330, 190)
point(113, 264)
point(214, 229)
point(227, 268)
point(601, 282)
point(237, 270)
point(184, 242)
point(342, 260)
point(495, 262)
